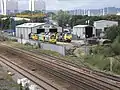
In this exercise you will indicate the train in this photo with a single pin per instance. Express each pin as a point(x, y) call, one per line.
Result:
point(52, 37)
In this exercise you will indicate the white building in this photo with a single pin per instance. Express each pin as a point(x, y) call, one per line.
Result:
point(37, 5)
point(8, 6)
point(27, 28)
point(83, 31)
point(101, 26)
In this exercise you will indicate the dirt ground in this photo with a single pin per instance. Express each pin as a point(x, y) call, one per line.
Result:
point(6, 82)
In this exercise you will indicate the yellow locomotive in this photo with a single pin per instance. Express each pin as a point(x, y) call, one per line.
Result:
point(52, 37)
point(64, 37)
point(49, 37)
point(34, 36)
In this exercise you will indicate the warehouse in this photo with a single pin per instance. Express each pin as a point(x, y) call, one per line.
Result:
point(102, 25)
point(83, 31)
point(25, 29)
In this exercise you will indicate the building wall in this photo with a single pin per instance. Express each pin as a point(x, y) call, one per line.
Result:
point(34, 30)
point(79, 32)
point(103, 24)
point(24, 31)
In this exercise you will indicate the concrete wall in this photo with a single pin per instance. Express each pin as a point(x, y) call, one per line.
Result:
point(52, 47)
point(45, 46)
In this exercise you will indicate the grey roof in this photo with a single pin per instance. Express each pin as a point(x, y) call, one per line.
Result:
point(29, 25)
point(105, 21)
point(82, 26)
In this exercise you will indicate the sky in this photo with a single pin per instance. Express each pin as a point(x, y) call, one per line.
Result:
point(74, 4)
point(85, 4)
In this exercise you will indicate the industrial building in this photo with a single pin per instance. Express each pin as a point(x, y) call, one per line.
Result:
point(102, 25)
point(25, 29)
point(83, 31)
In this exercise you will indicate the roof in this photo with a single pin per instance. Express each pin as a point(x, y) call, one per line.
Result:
point(104, 21)
point(118, 14)
point(17, 18)
point(82, 26)
point(29, 25)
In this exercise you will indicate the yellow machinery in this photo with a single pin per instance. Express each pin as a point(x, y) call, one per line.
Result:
point(67, 37)
point(52, 39)
point(34, 36)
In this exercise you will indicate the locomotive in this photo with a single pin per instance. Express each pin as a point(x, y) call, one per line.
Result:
point(52, 37)
point(64, 37)
point(44, 37)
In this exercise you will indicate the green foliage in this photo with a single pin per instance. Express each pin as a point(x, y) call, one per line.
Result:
point(38, 19)
point(62, 17)
point(5, 24)
point(116, 46)
point(116, 67)
point(112, 32)
point(98, 61)
point(102, 55)
point(103, 50)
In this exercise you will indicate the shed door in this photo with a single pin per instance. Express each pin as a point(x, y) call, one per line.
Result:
point(88, 32)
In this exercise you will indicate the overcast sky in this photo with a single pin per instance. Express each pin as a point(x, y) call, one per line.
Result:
point(72, 4)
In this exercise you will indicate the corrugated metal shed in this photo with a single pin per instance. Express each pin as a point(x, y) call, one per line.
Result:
point(101, 25)
point(27, 28)
point(104, 23)
point(82, 31)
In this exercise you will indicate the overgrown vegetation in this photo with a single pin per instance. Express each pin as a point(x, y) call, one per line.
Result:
point(102, 56)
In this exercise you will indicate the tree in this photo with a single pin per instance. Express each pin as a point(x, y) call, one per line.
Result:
point(112, 32)
point(63, 18)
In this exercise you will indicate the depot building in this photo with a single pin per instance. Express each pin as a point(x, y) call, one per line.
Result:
point(25, 29)
point(83, 31)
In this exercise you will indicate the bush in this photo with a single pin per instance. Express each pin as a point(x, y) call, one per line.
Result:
point(112, 32)
point(116, 46)
point(98, 61)
point(103, 50)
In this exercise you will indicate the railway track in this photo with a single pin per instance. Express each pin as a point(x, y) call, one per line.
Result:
point(73, 73)
point(84, 68)
point(27, 73)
